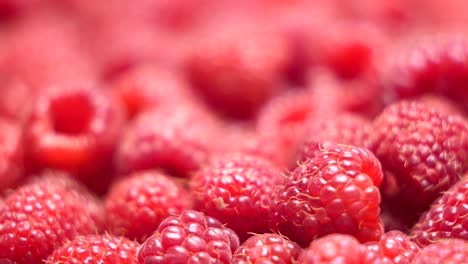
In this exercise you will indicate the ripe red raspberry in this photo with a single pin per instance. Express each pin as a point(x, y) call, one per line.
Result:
point(176, 141)
point(37, 218)
point(75, 130)
point(435, 64)
point(449, 251)
point(360, 95)
point(135, 205)
point(243, 138)
point(284, 119)
point(237, 189)
point(333, 248)
point(446, 218)
point(96, 248)
point(11, 155)
point(441, 103)
point(346, 128)
point(234, 72)
point(267, 248)
point(190, 237)
point(148, 87)
point(335, 191)
point(423, 152)
point(396, 247)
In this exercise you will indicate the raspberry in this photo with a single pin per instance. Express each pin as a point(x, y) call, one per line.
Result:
point(446, 218)
point(190, 237)
point(233, 71)
point(37, 218)
point(335, 191)
point(75, 130)
point(96, 248)
point(237, 189)
point(346, 128)
point(441, 103)
point(435, 64)
point(178, 142)
point(397, 247)
point(11, 155)
point(284, 119)
point(423, 152)
point(267, 248)
point(148, 87)
point(145, 198)
point(450, 251)
point(68, 182)
point(333, 248)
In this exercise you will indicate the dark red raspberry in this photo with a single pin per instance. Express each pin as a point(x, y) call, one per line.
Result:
point(75, 130)
point(234, 72)
point(434, 64)
point(135, 205)
point(333, 248)
point(449, 251)
point(96, 248)
point(190, 237)
point(336, 191)
point(346, 128)
point(148, 87)
point(38, 218)
point(11, 155)
point(267, 248)
point(178, 141)
point(284, 120)
point(423, 152)
point(446, 218)
point(397, 247)
point(237, 189)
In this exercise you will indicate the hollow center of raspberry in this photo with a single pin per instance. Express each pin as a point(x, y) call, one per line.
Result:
point(71, 114)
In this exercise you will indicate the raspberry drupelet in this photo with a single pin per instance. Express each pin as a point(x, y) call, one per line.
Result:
point(190, 237)
point(74, 129)
point(237, 189)
point(267, 248)
point(335, 191)
point(145, 198)
point(106, 249)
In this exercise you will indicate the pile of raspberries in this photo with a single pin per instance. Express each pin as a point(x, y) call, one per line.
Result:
point(233, 131)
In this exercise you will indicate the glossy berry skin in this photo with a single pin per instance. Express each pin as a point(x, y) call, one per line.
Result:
point(11, 155)
point(450, 251)
point(37, 218)
point(346, 128)
point(423, 152)
point(190, 237)
point(96, 249)
point(136, 204)
point(73, 129)
point(333, 248)
point(147, 87)
point(237, 190)
point(234, 73)
point(334, 192)
point(178, 142)
point(267, 248)
point(446, 218)
point(396, 247)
